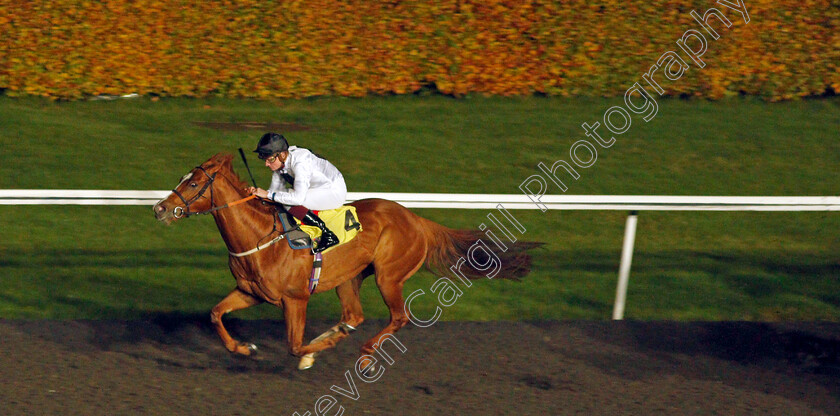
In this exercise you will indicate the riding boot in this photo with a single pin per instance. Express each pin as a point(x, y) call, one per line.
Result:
point(328, 238)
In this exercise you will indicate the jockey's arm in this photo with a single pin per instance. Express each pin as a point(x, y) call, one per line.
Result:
point(297, 195)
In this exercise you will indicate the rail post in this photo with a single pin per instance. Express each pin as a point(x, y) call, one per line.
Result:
point(624, 267)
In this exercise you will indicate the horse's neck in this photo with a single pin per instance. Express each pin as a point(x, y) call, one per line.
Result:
point(242, 225)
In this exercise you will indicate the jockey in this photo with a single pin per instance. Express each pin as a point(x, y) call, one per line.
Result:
point(301, 181)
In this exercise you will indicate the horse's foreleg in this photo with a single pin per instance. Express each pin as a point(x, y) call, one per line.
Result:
point(351, 317)
point(351, 305)
point(234, 301)
point(295, 313)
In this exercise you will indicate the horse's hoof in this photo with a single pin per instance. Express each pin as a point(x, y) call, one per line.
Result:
point(306, 361)
point(246, 350)
point(345, 328)
point(368, 371)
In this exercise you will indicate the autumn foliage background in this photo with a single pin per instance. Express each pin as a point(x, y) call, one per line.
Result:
point(72, 49)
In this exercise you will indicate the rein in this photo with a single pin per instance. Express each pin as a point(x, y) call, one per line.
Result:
point(228, 205)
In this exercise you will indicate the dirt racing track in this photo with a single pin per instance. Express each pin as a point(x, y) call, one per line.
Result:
point(175, 365)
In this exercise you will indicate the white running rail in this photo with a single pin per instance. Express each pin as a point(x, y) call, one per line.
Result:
point(632, 203)
point(467, 201)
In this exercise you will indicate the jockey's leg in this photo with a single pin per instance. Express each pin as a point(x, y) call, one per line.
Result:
point(307, 217)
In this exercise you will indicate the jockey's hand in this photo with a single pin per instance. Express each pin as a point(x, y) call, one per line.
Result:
point(259, 192)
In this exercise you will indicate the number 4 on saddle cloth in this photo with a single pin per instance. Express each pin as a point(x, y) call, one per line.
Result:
point(342, 221)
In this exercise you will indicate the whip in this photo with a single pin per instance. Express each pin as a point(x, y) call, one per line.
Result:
point(246, 167)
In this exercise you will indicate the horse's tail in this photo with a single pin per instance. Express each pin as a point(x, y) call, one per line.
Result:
point(474, 255)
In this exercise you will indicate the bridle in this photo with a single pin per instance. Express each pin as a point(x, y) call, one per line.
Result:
point(184, 211)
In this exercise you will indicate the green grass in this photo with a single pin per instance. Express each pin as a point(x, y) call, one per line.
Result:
point(117, 262)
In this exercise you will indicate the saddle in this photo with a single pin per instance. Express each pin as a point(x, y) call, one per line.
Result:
point(297, 238)
point(342, 221)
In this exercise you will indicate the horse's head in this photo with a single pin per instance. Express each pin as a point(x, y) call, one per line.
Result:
point(194, 193)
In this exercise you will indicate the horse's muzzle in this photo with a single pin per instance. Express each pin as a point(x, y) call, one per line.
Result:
point(162, 214)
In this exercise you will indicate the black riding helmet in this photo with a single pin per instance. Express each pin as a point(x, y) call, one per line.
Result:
point(271, 143)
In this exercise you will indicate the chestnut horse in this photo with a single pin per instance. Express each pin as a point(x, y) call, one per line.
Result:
point(393, 245)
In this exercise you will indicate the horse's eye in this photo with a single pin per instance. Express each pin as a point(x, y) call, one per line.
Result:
point(193, 184)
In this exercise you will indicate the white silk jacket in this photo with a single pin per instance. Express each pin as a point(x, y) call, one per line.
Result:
point(317, 183)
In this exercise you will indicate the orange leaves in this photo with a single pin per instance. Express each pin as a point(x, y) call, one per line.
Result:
point(77, 48)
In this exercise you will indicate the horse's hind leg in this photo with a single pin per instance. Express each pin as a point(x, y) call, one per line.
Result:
point(351, 316)
point(234, 301)
point(390, 280)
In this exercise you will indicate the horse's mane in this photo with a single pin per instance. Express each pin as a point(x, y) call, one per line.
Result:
point(224, 161)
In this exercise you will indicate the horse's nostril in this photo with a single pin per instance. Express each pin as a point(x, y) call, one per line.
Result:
point(160, 208)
